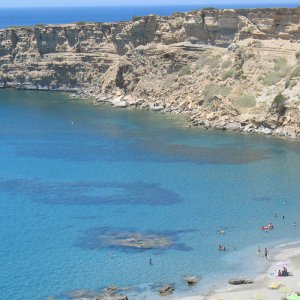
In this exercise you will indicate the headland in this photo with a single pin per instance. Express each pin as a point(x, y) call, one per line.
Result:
point(231, 69)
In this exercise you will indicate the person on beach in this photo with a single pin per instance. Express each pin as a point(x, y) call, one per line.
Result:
point(285, 272)
point(266, 253)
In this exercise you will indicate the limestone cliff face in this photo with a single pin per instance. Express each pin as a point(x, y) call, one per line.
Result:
point(227, 69)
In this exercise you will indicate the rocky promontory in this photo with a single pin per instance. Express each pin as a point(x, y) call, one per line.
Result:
point(227, 69)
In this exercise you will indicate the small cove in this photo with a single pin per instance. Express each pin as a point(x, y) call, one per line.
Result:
point(71, 172)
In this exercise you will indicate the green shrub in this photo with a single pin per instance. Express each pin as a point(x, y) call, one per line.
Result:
point(228, 74)
point(260, 77)
point(211, 62)
point(251, 29)
point(179, 23)
point(214, 62)
point(280, 64)
point(186, 70)
point(272, 78)
point(296, 72)
point(246, 101)
point(80, 23)
point(226, 64)
point(237, 74)
point(202, 61)
point(212, 90)
point(279, 100)
point(293, 83)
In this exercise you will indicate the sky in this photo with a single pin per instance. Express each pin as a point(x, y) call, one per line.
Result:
point(51, 3)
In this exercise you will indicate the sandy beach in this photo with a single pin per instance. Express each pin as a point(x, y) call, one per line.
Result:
point(268, 284)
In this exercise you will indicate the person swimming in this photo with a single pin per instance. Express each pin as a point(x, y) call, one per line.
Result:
point(266, 253)
point(222, 248)
point(221, 231)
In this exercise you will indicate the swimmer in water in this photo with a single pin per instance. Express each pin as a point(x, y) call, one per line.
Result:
point(222, 248)
point(221, 231)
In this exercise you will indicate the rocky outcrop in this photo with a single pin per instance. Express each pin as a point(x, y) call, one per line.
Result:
point(223, 68)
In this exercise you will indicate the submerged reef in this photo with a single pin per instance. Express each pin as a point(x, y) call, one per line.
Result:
point(130, 239)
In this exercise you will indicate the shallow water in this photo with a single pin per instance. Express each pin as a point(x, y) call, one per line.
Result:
point(72, 172)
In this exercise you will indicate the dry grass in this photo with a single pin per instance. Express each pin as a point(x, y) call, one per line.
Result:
point(212, 90)
point(245, 101)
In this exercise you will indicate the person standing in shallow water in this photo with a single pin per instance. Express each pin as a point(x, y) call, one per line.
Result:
point(150, 261)
point(266, 253)
point(258, 250)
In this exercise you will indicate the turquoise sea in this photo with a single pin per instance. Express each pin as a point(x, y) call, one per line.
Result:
point(73, 173)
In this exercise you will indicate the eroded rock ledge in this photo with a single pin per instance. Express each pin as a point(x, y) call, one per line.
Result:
point(226, 69)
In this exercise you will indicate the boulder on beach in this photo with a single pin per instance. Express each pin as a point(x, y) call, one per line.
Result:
point(238, 281)
point(118, 102)
point(167, 289)
point(191, 280)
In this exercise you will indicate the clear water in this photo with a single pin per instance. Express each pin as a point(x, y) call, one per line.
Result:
point(71, 172)
point(56, 15)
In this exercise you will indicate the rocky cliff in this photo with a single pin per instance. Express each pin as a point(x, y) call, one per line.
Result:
point(227, 69)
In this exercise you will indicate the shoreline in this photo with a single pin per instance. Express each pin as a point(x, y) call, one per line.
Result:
point(287, 254)
point(231, 127)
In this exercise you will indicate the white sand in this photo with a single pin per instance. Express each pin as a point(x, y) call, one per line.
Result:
point(289, 257)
